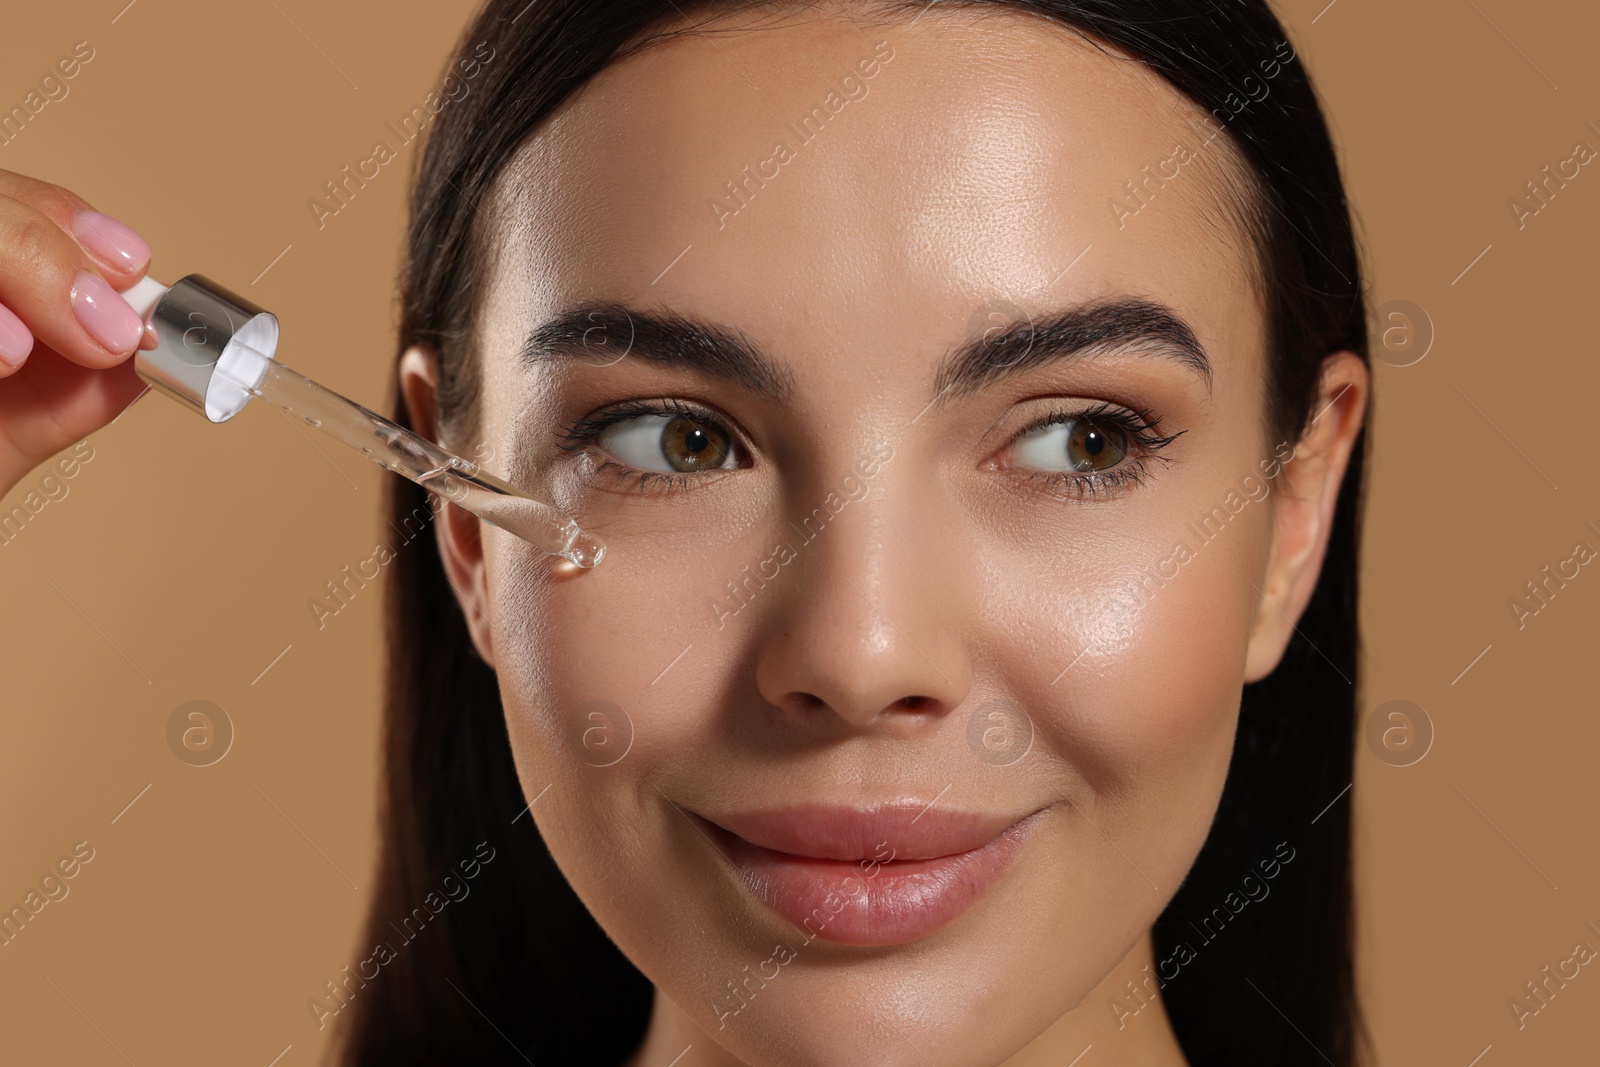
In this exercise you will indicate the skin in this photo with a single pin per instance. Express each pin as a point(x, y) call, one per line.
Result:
point(69, 384)
point(955, 579)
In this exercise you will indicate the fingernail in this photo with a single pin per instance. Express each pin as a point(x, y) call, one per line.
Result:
point(16, 340)
point(114, 242)
point(108, 318)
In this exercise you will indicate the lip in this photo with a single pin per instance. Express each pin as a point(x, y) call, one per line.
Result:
point(886, 875)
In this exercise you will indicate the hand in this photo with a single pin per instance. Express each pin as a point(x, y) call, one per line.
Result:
point(65, 333)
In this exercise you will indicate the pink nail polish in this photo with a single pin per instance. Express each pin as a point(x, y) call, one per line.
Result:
point(16, 340)
point(113, 242)
point(108, 318)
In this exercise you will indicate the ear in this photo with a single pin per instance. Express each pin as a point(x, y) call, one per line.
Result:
point(456, 529)
point(1303, 510)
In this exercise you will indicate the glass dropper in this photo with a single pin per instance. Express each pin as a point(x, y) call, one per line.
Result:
point(412, 456)
point(212, 350)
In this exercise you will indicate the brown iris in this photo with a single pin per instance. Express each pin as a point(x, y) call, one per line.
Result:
point(1092, 446)
point(689, 445)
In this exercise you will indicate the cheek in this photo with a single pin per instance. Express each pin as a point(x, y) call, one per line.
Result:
point(603, 668)
point(611, 680)
point(1128, 657)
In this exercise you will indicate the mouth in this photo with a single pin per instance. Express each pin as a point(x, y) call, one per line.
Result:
point(887, 875)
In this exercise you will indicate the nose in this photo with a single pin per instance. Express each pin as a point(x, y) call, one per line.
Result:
point(872, 626)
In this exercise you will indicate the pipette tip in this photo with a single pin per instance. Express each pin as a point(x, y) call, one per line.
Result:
point(584, 550)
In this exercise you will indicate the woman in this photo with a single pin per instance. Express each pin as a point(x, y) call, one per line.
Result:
point(971, 399)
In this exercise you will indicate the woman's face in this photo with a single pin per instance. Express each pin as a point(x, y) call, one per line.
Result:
point(903, 698)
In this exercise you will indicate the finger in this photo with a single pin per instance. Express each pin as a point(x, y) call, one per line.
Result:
point(53, 402)
point(52, 286)
point(16, 341)
point(121, 254)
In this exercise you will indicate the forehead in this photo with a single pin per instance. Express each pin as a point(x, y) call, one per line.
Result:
point(823, 181)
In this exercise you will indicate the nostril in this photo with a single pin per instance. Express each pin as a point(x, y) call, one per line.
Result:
point(916, 703)
point(808, 701)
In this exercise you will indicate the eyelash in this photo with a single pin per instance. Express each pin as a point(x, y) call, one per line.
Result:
point(586, 429)
point(1141, 425)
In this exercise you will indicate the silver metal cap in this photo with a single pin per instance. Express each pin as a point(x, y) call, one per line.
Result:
point(199, 327)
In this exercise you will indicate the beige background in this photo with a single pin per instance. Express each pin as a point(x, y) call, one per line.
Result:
point(179, 563)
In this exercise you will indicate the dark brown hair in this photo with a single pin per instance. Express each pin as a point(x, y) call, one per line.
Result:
point(520, 971)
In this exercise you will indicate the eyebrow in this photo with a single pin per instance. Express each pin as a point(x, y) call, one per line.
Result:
point(594, 331)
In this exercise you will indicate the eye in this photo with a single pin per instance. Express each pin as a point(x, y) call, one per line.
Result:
point(1101, 451)
point(1077, 444)
point(674, 442)
point(655, 446)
